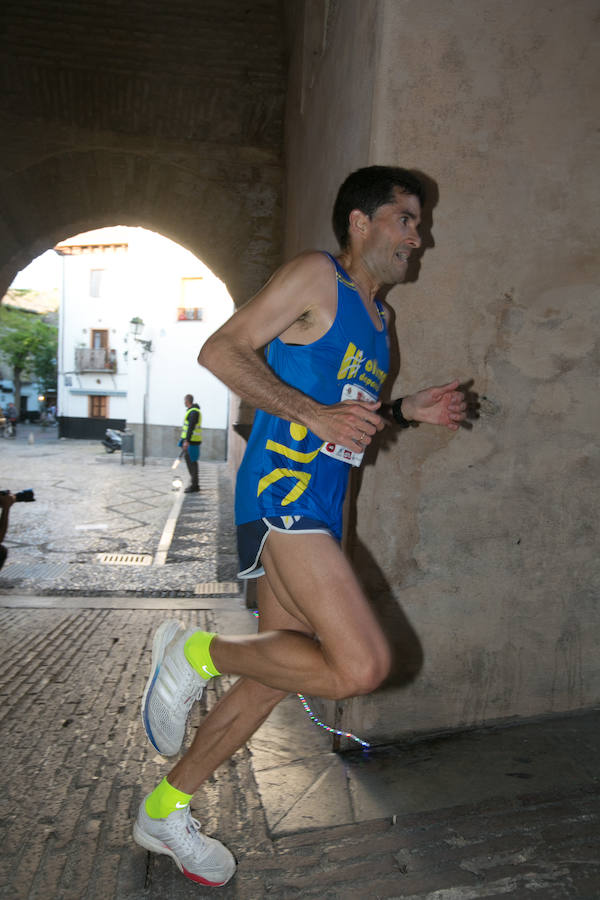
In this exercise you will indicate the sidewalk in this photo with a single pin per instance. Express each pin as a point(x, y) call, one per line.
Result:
point(494, 813)
point(89, 504)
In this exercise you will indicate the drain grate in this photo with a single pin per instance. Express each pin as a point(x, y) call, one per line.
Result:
point(217, 587)
point(125, 559)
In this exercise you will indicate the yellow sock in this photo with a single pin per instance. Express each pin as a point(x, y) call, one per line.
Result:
point(165, 799)
point(197, 653)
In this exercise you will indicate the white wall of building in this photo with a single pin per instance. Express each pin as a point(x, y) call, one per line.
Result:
point(80, 314)
point(146, 280)
point(157, 296)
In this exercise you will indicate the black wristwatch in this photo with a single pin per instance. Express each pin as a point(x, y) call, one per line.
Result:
point(397, 414)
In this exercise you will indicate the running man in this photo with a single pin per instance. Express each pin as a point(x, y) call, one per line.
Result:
point(316, 391)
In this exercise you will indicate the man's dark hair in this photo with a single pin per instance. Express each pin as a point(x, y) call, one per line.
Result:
point(367, 189)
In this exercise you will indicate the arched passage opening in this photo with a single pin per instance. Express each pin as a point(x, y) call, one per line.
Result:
point(135, 310)
point(228, 214)
point(221, 205)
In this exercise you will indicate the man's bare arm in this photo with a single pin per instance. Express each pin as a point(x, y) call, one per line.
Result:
point(443, 405)
point(305, 284)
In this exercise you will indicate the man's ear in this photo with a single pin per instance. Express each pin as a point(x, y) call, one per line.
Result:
point(358, 222)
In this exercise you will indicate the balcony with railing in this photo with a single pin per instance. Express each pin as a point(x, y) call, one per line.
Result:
point(92, 359)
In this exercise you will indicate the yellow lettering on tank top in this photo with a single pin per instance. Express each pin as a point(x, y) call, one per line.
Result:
point(296, 455)
point(351, 362)
point(301, 483)
point(297, 433)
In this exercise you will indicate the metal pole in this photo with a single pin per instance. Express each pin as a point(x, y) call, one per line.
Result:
point(147, 360)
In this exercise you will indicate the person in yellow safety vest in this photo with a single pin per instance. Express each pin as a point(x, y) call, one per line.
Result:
point(190, 441)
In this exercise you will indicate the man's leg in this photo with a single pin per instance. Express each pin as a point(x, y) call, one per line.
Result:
point(309, 589)
point(315, 583)
point(164, 823)
point(192, 467)
point(240, 712)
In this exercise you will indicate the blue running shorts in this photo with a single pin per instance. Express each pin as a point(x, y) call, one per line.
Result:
point(251, 537)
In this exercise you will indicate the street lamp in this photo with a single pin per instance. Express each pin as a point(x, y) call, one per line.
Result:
point(136, 326)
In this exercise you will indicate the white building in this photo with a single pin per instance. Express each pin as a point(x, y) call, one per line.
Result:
point(109, 378)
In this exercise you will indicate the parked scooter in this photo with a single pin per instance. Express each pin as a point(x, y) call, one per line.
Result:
point(112, 440)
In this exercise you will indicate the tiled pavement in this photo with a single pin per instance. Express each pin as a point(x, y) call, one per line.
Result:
point(497, 813)
point(76, 765)
point(88, 504)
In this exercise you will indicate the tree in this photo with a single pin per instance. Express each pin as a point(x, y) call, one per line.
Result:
point(29, 346)
point(44, 362)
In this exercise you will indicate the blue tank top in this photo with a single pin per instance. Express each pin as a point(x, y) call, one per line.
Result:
point(284, 472)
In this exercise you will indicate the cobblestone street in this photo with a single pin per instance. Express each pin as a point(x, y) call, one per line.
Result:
point(89, 504)
point(510, 812)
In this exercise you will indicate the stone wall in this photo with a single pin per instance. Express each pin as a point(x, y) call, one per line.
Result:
point(333, 61)
point(165, 116)
point(479, 548)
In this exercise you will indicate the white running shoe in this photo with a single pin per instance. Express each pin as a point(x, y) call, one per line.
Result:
point(171, 689)
point(200, 858)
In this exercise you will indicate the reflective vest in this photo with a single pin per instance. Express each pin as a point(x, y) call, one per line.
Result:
point(197, 432)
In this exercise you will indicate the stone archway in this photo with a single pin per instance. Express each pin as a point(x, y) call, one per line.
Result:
point(227, 214)
point(170, 117)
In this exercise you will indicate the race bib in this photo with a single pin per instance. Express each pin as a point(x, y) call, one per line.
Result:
point(337, 451)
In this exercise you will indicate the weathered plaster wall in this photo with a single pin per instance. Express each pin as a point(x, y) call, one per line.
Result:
point(481, 547)
point(334, 51)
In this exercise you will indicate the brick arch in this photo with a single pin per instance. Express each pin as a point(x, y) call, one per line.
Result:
point(218, 217)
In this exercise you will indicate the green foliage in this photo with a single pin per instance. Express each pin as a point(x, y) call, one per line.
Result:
point(44, 362)
point(29, 344)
